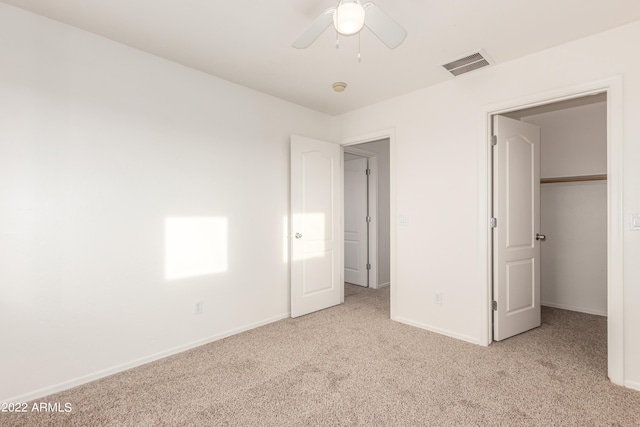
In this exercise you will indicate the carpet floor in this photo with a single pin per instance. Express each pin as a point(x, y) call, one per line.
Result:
point(351, 365)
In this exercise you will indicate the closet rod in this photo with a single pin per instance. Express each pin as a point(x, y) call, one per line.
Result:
point(579, 178)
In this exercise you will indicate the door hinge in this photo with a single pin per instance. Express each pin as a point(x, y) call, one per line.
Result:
point(368, 172)
point(494, 140)
point(368, 266)
point(368, 219)
point(494, 305)
point(493, 222)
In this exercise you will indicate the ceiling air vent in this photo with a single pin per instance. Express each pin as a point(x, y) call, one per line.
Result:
point(468, 63)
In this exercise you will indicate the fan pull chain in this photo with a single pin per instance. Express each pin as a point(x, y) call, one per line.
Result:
point(337, 40)
point(359, 57)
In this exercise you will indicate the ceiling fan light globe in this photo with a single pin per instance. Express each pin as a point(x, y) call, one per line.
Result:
point(348, 18)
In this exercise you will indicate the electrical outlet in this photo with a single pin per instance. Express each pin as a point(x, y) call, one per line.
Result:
point(197, 307)
point(437, 298)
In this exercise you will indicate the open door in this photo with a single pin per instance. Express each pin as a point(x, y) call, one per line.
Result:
point(356, 217)
point(516, 222)
point(316, 225)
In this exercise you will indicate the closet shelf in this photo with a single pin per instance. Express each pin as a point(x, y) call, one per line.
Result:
point(578, 178)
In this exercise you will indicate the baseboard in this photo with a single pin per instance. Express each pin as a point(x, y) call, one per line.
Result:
point(632, 384)
point(66, 385)
point(440, 331)
point(383, 285)
point(573, 308)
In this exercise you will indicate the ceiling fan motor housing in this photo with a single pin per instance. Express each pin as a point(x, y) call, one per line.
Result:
point(348, 18)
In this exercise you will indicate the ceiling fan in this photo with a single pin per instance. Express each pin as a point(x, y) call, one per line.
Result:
point(348, 18)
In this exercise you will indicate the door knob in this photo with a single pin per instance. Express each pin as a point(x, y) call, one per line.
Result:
point(541, 237)
point(298, 236)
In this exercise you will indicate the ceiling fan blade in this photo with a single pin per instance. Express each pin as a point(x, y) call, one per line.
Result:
point(313, 32)
point(389, 31)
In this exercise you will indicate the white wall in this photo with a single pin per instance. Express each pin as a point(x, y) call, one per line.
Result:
point(100, 145)
point(574, 140)
point(384, 244)
point(574, 215)
point(439, 149)
point(573, 261)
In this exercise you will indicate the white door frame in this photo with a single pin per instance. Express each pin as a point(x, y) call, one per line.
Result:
point(615, 208)
point(372, 137)
point(372, 206)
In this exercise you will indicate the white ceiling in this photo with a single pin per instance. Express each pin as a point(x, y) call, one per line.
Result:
point(249, 42)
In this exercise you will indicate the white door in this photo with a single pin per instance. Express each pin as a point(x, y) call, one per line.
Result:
point(516, 207)
point(355, 221)
point(316, 225)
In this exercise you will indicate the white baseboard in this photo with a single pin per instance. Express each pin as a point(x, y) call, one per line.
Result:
point(632, 384)
point(383, 285)
point(440, 331)
point(574, 308)
point(46, 391)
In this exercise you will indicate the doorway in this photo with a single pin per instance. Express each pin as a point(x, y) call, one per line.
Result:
point(360, 226)
point(573, 202)
point(375, 253)
point(315, 231)
point(615, 302)
point(570, 218)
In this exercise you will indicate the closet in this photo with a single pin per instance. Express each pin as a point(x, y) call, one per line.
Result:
point(573, 202)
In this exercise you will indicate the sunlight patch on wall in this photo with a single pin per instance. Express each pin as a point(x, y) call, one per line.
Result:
point(195, 246)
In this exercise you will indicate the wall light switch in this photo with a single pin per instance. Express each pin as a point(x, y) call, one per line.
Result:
point(197, 307)
point(635, 222)
point(437, 298)
point(403, 220)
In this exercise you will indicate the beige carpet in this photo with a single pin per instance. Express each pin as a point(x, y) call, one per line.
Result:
point(351, 365)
